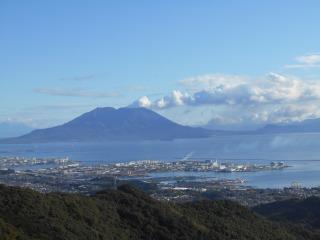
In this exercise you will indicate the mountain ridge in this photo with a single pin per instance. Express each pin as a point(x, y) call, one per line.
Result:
point(138, 124)
point(104, 124)
point(305, 126)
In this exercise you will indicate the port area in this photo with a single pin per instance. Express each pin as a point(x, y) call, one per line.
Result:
point(157, 178)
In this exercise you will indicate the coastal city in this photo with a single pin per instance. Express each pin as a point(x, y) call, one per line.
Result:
point(132, 168)
point(63, 174)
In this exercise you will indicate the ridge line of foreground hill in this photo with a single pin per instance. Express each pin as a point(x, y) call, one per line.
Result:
point(127, 213)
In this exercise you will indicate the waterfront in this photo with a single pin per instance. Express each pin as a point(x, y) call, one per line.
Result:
point(184, 180)
point(300, 151)
point(304, 172)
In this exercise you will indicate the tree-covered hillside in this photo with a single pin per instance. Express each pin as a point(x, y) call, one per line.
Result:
point(304, 212)
point(127, 213)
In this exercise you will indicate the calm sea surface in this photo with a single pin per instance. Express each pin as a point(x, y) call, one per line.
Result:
point(300, 151)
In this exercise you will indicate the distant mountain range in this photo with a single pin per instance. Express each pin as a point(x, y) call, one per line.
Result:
point(104, 124)
point(130, 124)
point(309, 125)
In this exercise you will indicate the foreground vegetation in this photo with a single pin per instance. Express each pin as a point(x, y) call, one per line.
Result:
point(127, 213)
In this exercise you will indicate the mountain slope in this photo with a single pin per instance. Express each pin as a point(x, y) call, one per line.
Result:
point(127, 214)
point(104, 124)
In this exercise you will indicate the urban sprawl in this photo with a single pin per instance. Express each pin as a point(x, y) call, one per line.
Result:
point(63, 174)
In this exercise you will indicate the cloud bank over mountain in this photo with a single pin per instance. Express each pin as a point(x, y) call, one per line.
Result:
point(271, 98)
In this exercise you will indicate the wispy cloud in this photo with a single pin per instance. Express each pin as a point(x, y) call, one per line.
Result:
point(79, 78)
point(306, 61)
point(138, 88)
point(54, 107)
point(75, 92)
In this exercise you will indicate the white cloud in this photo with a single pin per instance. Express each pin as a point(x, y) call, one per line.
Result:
point(271, 98)
point(286, 113)
point(309, 59)
point(176, 98)
point(144, 102)
point(306, 61)
point(273, 88)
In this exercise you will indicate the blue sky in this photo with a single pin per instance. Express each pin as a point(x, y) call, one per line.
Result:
point(61, 58)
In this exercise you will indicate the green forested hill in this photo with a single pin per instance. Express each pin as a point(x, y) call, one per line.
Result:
point(128, 214)
point(304, 212)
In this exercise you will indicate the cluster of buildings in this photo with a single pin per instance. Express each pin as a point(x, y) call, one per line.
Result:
point(14, 162)
point(195, 166)
point(62, 174)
